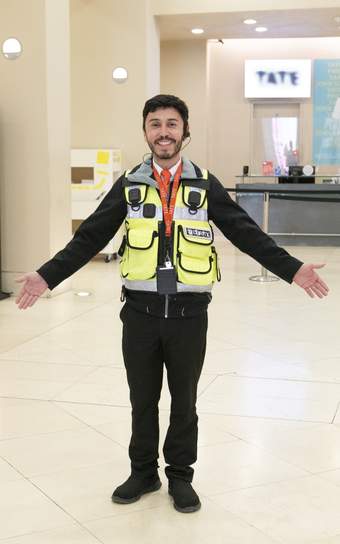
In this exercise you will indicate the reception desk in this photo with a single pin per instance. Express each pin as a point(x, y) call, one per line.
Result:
point(302, 217)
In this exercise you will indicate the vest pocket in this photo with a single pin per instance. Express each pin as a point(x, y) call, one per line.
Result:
point(139, 261)
point(196, 257)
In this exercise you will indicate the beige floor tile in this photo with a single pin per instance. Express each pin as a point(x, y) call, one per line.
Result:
point(22, 326)
point(25, 509)
point(236, 464)
point(93, 338)
point(96, 414)
point(331, 540)
point(30, 389)
point(8, 473)
point(54, 452)
point(312, 447)
point(18, 370)
point(42, 350)
point(271, 398)
point(66, 535)
point(336, 419)
point(299, 351)
point(113, 392)
point(99, 348)
point(244, 362)
point(19, 418)
point(292, 512)
point(331, 476)
point(164, 525)
point(86, 493)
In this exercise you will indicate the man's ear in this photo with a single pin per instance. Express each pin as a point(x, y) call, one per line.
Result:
point(187, 133)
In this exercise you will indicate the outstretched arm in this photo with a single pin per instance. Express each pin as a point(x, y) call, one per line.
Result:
point(92, 235)
point(245, 234)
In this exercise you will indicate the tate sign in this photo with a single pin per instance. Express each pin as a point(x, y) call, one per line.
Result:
point(289, 78)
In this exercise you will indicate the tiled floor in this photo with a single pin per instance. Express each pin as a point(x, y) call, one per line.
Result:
point(268, 468)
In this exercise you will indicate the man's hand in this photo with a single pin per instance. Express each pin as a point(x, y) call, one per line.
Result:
point(310, 281)
point(34, 286)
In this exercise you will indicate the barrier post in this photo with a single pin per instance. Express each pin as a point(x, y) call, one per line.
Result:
point(264, 276)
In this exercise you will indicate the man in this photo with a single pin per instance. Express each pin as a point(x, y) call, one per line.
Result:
point(168, 267)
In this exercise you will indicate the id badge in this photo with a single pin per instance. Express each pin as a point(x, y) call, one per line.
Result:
point(166, 280)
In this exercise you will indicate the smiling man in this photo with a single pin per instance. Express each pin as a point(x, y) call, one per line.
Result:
point(165, 146)
point(168, 267)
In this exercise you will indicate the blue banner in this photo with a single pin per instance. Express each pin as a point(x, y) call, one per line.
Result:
point(326, 112)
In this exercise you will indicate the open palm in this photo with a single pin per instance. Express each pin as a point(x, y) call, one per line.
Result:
point(310, 281)
point(33, 287)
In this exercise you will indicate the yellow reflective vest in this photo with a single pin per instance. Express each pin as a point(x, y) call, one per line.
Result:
point(191, 246)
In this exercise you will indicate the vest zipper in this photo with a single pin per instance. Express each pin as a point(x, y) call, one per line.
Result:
point(166, 306)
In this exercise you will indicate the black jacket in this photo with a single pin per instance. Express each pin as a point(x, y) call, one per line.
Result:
point(98, 229)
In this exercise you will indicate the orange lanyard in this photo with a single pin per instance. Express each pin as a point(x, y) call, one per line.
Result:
point(168, 210)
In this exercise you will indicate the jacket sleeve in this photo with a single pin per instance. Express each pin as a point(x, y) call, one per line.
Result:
point(246, 235)
point(92, 235)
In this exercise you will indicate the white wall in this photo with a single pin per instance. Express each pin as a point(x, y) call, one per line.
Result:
point(183, 73)
point(35, 136)
point(106, 34)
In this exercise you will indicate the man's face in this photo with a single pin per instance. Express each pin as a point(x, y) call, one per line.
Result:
point(164, 132)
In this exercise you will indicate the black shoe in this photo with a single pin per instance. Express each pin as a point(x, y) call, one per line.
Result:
point(132, 490)
point(185, 498)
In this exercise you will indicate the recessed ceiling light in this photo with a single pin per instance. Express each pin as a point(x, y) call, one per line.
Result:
point(197, 30)
point(250, 22)
point(261, 29)
point(83, 294)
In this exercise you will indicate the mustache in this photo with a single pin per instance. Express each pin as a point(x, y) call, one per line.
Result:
point(165, 140)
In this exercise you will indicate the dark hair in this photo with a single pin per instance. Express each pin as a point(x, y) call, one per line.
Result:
point(167, 101)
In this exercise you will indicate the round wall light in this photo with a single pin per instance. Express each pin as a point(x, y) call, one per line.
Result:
point(11, 48)
point(120, 74)
point(197, 31)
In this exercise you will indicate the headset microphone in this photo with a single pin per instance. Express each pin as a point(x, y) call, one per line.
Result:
point(186, 145)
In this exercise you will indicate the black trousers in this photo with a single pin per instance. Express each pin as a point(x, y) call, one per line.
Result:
point(149, 343)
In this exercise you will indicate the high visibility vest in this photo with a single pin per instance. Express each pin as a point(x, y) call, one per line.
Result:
point(192, 251)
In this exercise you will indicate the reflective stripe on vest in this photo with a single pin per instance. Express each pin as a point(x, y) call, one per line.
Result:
point(183, 213)
point(151, 285)
point(137, 213)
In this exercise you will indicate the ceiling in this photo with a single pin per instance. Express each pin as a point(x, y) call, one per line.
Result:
point(299, 23)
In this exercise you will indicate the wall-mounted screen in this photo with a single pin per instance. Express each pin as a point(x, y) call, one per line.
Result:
point(278, 78)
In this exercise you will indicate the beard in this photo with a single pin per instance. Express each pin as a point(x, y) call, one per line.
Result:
point(165, 153)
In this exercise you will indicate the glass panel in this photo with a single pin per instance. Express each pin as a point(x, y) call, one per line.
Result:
point(275, 138)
